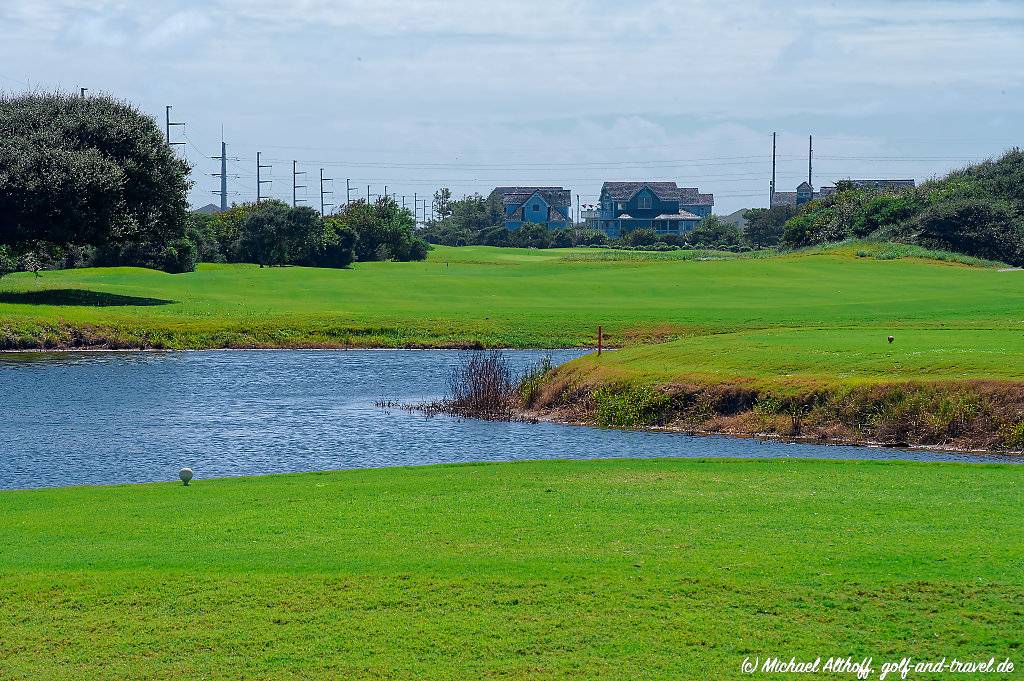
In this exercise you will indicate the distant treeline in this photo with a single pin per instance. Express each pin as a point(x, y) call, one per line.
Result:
point(91, 181)
point(476, 220)
point(978, 211)
point(272, 233)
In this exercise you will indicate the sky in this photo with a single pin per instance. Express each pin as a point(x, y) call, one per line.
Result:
point(418, 94)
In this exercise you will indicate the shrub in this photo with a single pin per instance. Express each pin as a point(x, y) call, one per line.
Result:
point(629, 407)
point(482, 387)
point(1014, 436)
point(531, 382)
point(640, 237)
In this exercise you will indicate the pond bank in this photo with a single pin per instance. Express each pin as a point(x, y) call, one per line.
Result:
point(962, 416)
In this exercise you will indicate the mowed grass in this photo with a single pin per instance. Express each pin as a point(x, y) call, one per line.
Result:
point(505, 297)
point(802, 358)
point(600, 569)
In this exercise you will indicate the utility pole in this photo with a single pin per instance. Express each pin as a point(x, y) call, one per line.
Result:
point(348, 192)
point(771, 193)
point(322, 192)
point(223, 174)
point(259, 182)
point(295, 187)
point(577, 209)
point(810, 156)
point(167, 120)
point(367, 195)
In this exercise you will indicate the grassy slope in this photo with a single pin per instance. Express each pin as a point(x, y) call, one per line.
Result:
point(510, 297)
point(668, 569)
point(799, 358)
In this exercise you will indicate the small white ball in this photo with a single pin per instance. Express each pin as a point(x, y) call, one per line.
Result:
point(185, 474)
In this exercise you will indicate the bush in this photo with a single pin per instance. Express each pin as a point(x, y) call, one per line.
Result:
point(711, 232)
point(629, 407)
point(482, 387)
point(531, 235)
point(640, 237)
point(8, 261)
point(974, 227)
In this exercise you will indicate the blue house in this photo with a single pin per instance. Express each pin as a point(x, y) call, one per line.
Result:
point(548, 206)
point(662, 206)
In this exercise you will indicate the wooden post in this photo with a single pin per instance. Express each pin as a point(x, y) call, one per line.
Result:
point(599, 334)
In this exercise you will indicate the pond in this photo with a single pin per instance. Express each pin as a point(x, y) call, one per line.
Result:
point(93, 418)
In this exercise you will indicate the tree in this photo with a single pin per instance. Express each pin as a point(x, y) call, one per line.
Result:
point(764, 226)
point(339, 249)
point(384, 231)
point(87, 171)
point(265, 234)
point(442, 203)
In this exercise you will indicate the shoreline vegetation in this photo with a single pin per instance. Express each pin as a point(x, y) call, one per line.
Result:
point(552, 569)
point(962, 418)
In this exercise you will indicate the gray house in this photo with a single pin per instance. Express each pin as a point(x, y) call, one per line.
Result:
point(662, 206)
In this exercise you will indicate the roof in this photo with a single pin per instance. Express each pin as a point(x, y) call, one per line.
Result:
point(623, 191)
point(784, 199)
point(805, 186)
point(666, 191)
point(681, 215)
point(555, 196)
point(209, 209)
point(691, 196)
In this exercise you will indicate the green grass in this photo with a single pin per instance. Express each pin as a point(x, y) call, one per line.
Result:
point(507, 297)
point(814, 357)
point(604, 569)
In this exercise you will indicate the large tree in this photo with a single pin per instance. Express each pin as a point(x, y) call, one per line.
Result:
point(87, 171)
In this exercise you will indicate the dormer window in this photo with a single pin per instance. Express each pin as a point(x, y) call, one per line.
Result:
point(644, 203)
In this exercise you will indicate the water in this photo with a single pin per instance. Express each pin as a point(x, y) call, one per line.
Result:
point(104, 418)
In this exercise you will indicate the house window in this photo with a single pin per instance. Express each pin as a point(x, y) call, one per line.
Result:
point(536, 207)
point(622, 206)
point(644, 203)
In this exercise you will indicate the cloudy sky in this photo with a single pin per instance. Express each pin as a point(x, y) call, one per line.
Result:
point(469, 94)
